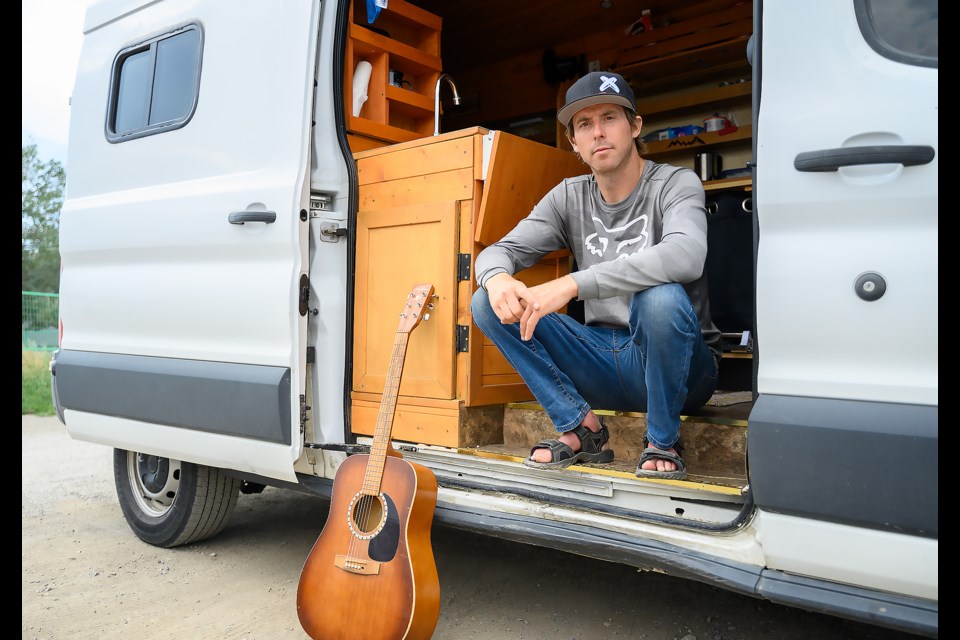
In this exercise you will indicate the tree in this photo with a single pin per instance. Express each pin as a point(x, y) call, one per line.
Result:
point(42, 187)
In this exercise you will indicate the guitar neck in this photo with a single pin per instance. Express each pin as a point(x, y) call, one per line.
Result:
point(388, 406)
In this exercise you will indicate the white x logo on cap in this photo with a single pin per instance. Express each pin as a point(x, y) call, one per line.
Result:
point(609, 83)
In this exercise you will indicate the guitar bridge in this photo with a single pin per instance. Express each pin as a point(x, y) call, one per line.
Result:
point(356, 565)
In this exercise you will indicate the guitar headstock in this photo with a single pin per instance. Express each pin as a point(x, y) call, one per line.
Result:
point(416, 308)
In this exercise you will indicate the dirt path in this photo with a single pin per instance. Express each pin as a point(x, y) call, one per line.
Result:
point(84, 575)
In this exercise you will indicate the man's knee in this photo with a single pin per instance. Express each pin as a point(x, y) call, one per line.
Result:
point(663, 302)
point(661, 298)
point(480, 306)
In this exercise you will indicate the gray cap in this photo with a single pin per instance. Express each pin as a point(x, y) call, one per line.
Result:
point(597, 87)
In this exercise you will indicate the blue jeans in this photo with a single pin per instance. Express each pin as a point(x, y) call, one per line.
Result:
point(659, 364)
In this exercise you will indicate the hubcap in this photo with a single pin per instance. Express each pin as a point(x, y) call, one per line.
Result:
point(154, 481)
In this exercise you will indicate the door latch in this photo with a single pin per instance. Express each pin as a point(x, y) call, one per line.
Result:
point(330, 231)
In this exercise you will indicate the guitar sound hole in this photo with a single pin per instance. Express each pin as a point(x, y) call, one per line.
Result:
point(367, 514)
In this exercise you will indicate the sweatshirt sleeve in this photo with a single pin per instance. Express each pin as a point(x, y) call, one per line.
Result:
point(680, 255)
point(534, 237)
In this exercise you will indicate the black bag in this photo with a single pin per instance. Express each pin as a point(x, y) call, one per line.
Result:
point(730, 260)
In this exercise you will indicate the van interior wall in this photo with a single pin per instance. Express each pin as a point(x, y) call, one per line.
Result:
point(512, 62)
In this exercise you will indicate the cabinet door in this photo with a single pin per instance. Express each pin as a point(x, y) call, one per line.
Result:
point(398, 248)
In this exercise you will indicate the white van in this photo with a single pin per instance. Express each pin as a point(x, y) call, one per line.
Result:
point(253, 188)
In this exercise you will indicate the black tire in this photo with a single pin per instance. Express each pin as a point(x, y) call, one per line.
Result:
point(169, 503)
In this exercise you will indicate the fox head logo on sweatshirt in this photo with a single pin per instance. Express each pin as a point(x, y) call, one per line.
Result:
point(623, 240)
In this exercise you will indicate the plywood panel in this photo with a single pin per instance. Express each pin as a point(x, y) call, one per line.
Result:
point(416, 160)
point(396, 249)
point(521, 172)
point(438, 187)
point(492, 379)
point(412, 423)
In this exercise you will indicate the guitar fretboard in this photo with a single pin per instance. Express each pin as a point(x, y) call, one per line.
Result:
point(411, 317)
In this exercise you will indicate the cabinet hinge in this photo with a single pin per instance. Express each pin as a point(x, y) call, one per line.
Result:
point(463, 266)
point(463, 338)
point(311, 355)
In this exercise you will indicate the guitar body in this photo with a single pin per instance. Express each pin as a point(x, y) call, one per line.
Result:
point(371, 574)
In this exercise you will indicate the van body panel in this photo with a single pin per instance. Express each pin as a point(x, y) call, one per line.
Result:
point(152, 265)
point(633, 544)
point(246, 401)
point(801, 449)
point(332, 176)
point(821, 231)
point(266, 460)
point(850, 555)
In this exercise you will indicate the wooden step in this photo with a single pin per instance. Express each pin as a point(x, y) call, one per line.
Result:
point(714, 438)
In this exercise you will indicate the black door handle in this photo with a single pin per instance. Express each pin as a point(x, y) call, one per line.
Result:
point(240, 217)
point(833, 159)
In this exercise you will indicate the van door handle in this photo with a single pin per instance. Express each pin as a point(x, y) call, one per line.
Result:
point(833, 159)
point(240, 217)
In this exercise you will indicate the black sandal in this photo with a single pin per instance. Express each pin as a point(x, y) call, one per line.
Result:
point(591, 449)
point(651, 453)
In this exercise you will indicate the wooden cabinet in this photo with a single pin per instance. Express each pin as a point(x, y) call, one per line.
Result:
point(403, 38)
point(427, 207)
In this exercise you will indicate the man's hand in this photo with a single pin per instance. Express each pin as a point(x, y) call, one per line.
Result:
point(513, 301)
point(507, 297)
point(544, 299)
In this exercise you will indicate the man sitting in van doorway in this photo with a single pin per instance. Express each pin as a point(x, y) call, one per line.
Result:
point(638, 232)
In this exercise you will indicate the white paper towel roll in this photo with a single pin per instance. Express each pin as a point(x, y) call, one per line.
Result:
point(361, 79)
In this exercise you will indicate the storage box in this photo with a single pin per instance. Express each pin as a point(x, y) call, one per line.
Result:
point(669, 133)
point(689, 130)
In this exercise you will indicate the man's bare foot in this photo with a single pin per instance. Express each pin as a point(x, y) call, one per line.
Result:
point(590, 421)
point(659, 464)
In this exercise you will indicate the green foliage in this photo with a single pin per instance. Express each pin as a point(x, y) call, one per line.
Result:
point(41, 198)
point(35, 392)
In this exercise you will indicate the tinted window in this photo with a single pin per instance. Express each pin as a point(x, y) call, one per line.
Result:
point(904, 30)
point(155, 85)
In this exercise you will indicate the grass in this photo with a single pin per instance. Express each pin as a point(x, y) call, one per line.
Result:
point(35, 394)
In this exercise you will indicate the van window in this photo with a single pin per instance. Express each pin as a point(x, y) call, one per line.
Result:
point(155, 85)
point(903, 30)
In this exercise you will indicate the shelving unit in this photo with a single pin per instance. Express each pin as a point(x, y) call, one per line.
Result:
point(711, 43)
point(706, 140)
point(694, 102)
point(402, 38)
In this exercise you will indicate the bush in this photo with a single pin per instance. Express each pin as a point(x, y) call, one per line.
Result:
point(35, 394)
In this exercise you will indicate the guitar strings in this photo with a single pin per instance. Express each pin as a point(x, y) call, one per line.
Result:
point(360, 513)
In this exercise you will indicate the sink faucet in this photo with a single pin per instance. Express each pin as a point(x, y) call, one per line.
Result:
point(436, 101)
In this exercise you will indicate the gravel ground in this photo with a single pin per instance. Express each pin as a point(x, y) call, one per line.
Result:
point(85, 575)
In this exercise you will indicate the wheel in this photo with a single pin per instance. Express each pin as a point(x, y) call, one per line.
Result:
point(169, 503)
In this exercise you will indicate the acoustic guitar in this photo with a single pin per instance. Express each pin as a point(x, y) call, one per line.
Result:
point(371, 574)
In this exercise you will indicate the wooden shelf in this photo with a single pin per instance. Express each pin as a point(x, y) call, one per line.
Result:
point(710, 99)
point(706, 140)
point(406, 39)
point(694, 50)
point(366, 41)
point(729, 183)
point(380, 131)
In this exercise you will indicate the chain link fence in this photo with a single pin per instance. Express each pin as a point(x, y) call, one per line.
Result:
point(39, 320)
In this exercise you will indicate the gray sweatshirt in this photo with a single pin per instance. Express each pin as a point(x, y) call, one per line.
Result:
point(657, 234)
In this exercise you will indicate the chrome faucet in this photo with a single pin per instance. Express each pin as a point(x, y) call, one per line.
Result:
point(436, 100)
